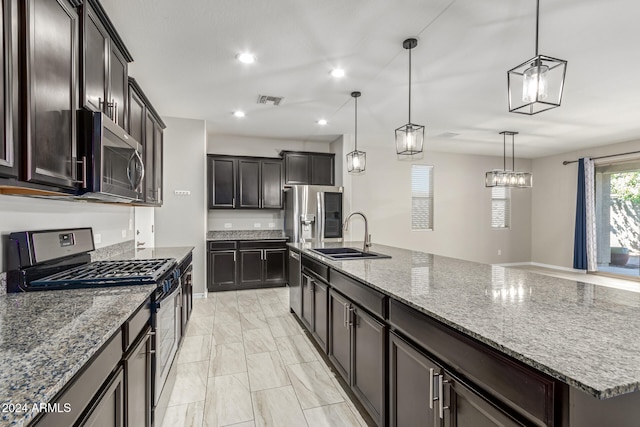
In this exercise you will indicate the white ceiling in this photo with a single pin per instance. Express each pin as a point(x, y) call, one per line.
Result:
point(184, 54)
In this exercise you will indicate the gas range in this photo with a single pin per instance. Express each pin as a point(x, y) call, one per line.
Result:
point(59, 259)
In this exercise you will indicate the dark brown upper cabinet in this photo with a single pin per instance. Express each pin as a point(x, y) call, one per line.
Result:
point(9, 159)
point(302, 168)
point(146, 126)
point(51, 92)
point(244, 182)
point(105, 59)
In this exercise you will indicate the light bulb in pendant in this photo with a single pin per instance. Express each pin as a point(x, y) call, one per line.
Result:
point(356, 162)
point(534, 84)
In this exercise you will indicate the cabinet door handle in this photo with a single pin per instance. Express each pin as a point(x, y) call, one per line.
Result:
point(234, 257)
point(233, 202)
point(431, 399)
point(352, 316)
point(115, 112)
point(294, 256)
point(344, 313)
point(441, 395)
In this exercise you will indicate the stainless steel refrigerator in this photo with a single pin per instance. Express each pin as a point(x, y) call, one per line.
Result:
point(313, 213)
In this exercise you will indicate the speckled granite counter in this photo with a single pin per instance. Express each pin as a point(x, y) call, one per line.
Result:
point(582, 334)
point(46, 337)
point(246, 235)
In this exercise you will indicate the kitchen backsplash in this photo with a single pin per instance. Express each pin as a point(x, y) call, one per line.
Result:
point(226, 220)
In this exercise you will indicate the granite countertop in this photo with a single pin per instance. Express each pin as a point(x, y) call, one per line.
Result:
point(245, 235)
point(63, 331)
point(582, 334)
point(47, 337)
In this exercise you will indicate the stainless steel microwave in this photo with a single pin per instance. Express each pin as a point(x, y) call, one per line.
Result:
point(112, 166)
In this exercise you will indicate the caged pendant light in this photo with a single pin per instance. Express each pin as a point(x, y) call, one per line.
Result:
point(410, 137)
point(508, 178)
point(536, 85)
point(356, 160)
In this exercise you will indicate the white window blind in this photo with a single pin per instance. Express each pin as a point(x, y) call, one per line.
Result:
point(500, 207)
point(421, 197)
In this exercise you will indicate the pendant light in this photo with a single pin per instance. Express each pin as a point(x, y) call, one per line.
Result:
point(536, 84)
point(508, 178)
point(410, 137)
point(356, 160)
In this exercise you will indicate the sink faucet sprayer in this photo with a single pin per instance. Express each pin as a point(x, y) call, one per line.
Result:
point(367, 236)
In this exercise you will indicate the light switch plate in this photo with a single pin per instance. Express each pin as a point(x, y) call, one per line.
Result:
point(97, 238)
point(124, 233)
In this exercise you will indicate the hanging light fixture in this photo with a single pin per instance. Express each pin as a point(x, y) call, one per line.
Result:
point(356, 160)
point(410, 137)
point(536, 84)
point(508, 178)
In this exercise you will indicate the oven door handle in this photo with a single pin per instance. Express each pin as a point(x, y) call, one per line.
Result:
point(175, 288)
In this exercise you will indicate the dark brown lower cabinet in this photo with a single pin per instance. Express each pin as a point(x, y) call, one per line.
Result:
point(275, 262)
point(321, 313)
point(307, 301)
point(108, 410)
point(137, 371)
point(250, 266)
point(222, 269)
point(357, 347)
point(411, 382)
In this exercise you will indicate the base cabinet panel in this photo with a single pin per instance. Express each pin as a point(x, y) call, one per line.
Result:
point(411, 391)
point(339, 334)
point(307, 301)
point(222, 268)
point(320, 314)
point(109, 409)
point(137, 371)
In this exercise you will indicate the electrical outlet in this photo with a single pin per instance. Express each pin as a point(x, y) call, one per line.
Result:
point(97, 238)
point(499, 251)
point(272, 225)
point(257, 225)
point(228, 225)
point(124, 233)
point(182, 192)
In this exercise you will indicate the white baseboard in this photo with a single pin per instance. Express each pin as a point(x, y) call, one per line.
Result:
point(539, 264)
point(199, 296)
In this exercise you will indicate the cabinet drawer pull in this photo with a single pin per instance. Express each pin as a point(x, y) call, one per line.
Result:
point(294, 255)
point(441, 395)
point(233, 202)
point(352, 316)
point(234, 257)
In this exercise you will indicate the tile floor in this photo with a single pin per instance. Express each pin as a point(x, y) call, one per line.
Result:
point(245, 361)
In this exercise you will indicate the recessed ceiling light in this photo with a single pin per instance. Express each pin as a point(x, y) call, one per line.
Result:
point(238, 113)
point(337, 72)
point(246, 58)
point(322, 122)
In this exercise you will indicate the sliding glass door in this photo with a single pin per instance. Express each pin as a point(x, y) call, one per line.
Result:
point(618, 218)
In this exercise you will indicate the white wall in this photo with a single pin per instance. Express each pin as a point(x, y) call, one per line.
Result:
point(22, 213)
point(259, 147)
point(181, 221)
point(245, 219)
point(554, 203)
point(462, 207)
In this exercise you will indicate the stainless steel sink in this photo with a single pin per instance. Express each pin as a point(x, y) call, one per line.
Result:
point(345, 254)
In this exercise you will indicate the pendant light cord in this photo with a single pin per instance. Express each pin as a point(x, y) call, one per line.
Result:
point(356, 146)
point(537, 23)
point(410, 85)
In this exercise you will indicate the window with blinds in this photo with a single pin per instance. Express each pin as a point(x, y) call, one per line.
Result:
point(500, 207)
point(421, 197)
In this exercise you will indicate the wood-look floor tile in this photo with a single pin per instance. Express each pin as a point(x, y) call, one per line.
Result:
point(202, 325)
point(295, 349)
point(226, 314)
point(195, 349)
point(186, 415)
point(313, 385)
point(191, 383)
point(227, 359)
point(254, 320)
point(266, 370)
point(282, 326)
point(258, 341)
point(336, 415)
point(277, 407)
point(228, 400)
point(225, 333)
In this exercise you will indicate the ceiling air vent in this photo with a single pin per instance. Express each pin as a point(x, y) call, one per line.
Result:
point(267, 99)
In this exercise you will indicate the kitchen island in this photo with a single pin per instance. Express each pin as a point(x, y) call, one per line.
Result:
point(578, 340)
point(49, 338)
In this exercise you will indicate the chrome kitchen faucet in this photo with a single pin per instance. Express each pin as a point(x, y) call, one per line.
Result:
point(367, 236)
